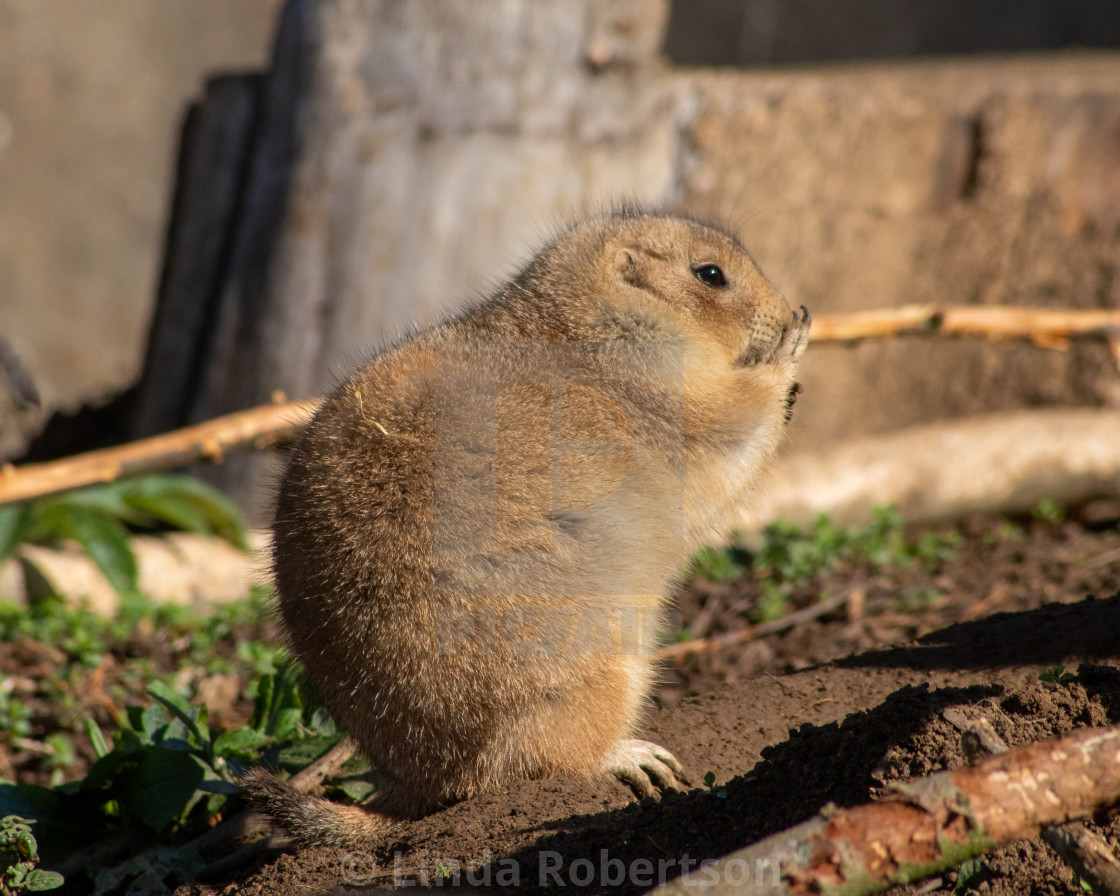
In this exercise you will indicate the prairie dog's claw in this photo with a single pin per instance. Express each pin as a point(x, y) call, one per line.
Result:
point(645, 768)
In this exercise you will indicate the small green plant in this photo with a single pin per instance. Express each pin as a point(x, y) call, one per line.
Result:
point(1010, 531)
point(166, 773)
point(100, 518)
point(1056, 675)
point(721, 564)
point(1049, 511)
point(915, 600)
point(791, 557)
point(710, 782)
point(970, 874)
point(90, 654)
point(19, 854)
point(773, 602)
point(167, 762)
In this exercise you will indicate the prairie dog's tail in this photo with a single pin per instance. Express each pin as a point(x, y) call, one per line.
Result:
point(311, 820)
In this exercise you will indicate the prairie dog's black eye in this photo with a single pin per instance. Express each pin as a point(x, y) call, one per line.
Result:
point(710, 275)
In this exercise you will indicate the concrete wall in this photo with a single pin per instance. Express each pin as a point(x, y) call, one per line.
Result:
point(859, 186)
point(91, 99)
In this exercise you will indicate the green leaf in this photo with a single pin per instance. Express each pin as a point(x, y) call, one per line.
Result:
point(1049, 511)
point(174, 492)
point(153, 721)
point(178, 706)
point(128, 741)
point(241, 743)
point(39, 880)
point(100, 747)
point(15, 520)
point(101, 536)
point(716, 565)
point(28, 801)
point(356, 789)
point(307, 749)
point(286, 723)
point(106, 770)
point(162, 784)
point(263, 702)
point(106, 499)
point(1056, 675)
point(180, 514)
point(279, 708)
point(135, 716)
point(970, 873)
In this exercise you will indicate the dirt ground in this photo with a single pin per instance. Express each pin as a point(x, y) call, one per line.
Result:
point(828, 712)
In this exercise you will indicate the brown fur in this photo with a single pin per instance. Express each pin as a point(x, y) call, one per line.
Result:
point(477, 532)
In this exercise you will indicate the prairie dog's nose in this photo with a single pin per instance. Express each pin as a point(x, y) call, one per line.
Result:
point(765, 333)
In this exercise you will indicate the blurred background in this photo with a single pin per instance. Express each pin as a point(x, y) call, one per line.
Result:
point(92, 101)
point(870, 153)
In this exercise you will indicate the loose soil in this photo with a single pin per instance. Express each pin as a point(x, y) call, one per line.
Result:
point(830, 711)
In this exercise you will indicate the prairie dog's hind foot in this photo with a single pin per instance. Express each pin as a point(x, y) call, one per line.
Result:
point(645, 767)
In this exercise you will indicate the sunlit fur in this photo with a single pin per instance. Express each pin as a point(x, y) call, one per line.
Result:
point(464, 471)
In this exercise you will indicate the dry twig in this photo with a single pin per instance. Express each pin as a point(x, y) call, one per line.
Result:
point(750, 633)
point(1087, 854)
point(267, 426)
point(1046, 327)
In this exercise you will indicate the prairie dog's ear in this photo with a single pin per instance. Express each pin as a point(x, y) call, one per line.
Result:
point(626, 266)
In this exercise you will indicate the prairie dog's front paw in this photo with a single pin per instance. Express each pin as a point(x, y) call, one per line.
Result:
point(794, 338)
point(645, 767)
point(797, 336)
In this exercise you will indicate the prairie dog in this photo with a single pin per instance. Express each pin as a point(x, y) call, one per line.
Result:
point(478, 530)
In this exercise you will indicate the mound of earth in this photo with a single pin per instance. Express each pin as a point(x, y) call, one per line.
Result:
point(837, 732)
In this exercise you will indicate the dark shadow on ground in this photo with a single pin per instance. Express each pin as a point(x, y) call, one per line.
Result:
point(837, 763)
point(1050, 635)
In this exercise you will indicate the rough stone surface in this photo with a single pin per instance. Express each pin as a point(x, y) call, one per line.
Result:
point(430, 169)
point(437, 145)
point(972, 182)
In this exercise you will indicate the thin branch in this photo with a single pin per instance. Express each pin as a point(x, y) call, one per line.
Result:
point(925, 826)
point(1087, 854)
point(1048, 327)
point(742, 636)
point(267, 426)
point(310, 779)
